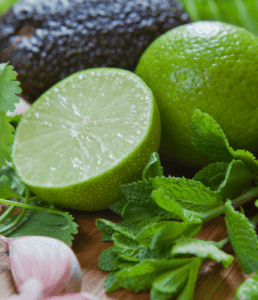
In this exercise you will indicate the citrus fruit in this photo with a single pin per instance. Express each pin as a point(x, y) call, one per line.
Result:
point(211, 66)
point(87, 135)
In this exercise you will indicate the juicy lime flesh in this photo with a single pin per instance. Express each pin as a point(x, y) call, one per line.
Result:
point(80, 128)
point(211, 66)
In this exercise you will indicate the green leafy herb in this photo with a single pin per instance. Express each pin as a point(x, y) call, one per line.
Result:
point(248, 289)
point(243, 238)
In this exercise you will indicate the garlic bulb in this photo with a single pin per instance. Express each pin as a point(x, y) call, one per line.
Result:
point(47, 259)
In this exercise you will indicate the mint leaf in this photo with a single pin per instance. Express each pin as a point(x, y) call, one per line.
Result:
point(203, 249)
point(188, 290)
point(6, 139)
point(9, 87)
point(212, 175)
point(126, 248)
point(60, 226)
point(248, 289)
point(140, 203)
point(141, 276)
point(109, 260)
point(170, 283)
point(165, 233)
point(111, 282)
point(6, 191)
point(188, 199)
point(243, 238)
point(208, 138)
point(153, 167)
point(237, 178)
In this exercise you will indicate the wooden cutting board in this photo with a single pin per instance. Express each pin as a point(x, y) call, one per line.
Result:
point(214, 282)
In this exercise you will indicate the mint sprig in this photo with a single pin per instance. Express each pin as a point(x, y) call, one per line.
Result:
point(155, 246)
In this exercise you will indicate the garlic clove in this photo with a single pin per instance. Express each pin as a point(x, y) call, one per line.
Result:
point(47, 259)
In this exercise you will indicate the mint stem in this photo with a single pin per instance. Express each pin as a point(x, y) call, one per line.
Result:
point(237, 202)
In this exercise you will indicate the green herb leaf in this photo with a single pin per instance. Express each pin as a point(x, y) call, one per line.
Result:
point(243, 238)
point(188, 199)
point(6, 139)
point(60, 226)
point(208, 138)
point(111, 282)
point(248, 289)
point(15, 183)
point(153, 167)
point(109, 260)
point(126, 248)
point(140, 204)
point(6, 191)
point(203, 249)
point(9, 87)
point(141, 276)
point(212, 175)
point(237, 178)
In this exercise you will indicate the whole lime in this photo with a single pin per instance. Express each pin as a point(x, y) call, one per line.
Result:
point(85, 136)
point(209, 65)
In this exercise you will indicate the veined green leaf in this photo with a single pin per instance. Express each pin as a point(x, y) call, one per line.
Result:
point(203, 249)
point(141, 276)
point(126, 248)
point(208, 137)
point(188, 199)
point(153, 167)
point(60, 226)
point(243, 238)
point(6, 191)
point(109, 260)
point(6, 138)
point(9, 88)
point(212, 175)
point(248, 289)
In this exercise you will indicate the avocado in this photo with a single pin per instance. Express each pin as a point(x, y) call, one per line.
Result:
point(47, 40)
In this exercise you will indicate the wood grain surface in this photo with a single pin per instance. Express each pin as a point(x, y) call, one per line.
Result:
point(214, 282)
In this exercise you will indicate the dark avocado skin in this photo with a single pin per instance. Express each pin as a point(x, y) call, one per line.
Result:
point(47, 40)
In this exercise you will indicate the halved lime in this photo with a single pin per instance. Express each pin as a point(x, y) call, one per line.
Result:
point(87, 135)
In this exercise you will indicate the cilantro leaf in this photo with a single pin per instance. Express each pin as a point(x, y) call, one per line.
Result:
point(153, 167)
point(203, 249)
point(243, 238)
point(6, 191)
point(248, 289)
point(208, 138)
point(6, 4)
point(15, 183)
point(188, 199)
point(9, 87)
point(60, 226)
point(6, 138)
